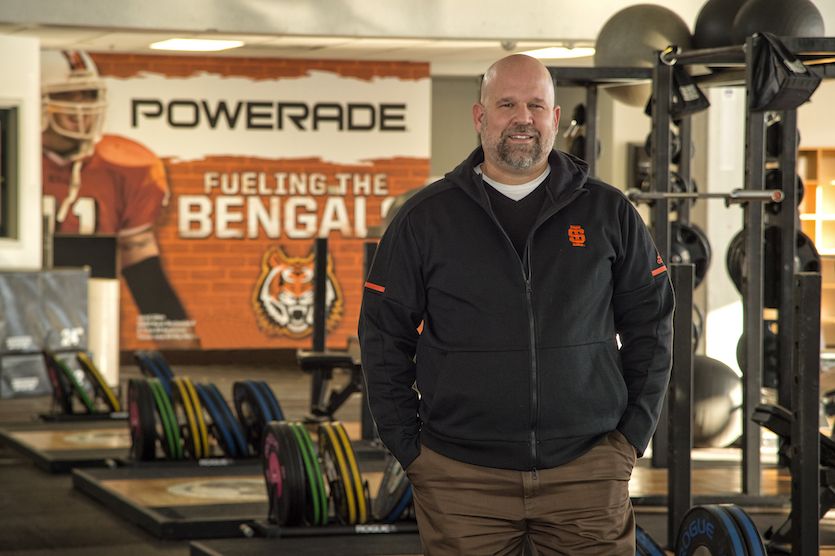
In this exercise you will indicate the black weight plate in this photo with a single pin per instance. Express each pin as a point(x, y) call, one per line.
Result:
point(253, 412)
point(98, 382)
point(273, 475)
point(218, 425)
point(186, 420)
point(296, 473)
point(753, 540)
point(689, 245)
point(141, 420)
point(61, 387)
point(394, 493)
point(284, 474)
point(774, 180)
point(735, 259)
point(317, 498)
point(233, 424)
point(708, 530)
point(338, 475)
point(645, 545)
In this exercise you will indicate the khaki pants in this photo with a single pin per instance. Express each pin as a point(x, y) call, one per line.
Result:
point(580, 508)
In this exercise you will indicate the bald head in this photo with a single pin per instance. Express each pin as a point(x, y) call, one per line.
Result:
point(514, 66)
point(516, 119)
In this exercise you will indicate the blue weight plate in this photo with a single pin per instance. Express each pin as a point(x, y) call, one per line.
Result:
point(709, 530)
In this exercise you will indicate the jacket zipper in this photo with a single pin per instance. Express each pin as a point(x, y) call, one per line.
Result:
point(534, 361)
point(526, 276)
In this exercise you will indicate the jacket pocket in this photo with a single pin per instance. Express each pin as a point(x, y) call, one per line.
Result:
point(582, 391)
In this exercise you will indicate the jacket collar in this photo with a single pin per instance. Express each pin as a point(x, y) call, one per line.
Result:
point(568, 174)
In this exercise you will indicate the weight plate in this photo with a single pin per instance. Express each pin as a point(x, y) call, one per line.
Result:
point(735, 259)
point(77, 389)
point(151, 370)
point(219, 427)
point(185, 420)
point(709, 530)
point(394, 494)
point(233, 424)
point(753, 540)
point(317, 498)
point(202, 431)
point(351, 458)
point(253, 412)
point(271, 400)
point(645, 545)
point(806, 259)
point(274, 475)
point(284, 474)
point(141, 420)
point(689, 245)
point(98, 382)
point(61, 387)
point(338, 475)
point(157, 358)
point(774, 180)
point(170, 428)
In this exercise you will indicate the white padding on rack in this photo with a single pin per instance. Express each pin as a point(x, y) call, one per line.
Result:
point(104, 327)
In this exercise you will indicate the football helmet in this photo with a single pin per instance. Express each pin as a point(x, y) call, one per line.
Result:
point(81, 117)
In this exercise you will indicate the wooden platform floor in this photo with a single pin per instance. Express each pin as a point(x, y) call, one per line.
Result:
point(42, 515)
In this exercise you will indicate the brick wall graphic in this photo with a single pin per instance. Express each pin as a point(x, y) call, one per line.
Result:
point(262, 157)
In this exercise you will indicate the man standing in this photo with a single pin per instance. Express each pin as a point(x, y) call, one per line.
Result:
point(489, 332)
point(94, 183)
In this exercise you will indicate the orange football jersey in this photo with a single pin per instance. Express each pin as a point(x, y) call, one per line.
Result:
point(123, 189)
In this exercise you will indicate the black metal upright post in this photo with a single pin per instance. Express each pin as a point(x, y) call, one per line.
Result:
point(805, 439)
point(788, 222)
point(752, 291)
point(685, 133)
point(320, 277)
point(680, 401)
point(660, 180)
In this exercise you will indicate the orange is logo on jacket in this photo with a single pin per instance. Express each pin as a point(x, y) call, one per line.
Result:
point(577, 236)
point(661, 266)
point(283, 296)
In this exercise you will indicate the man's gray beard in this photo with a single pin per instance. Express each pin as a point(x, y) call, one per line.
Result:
point(518, 158)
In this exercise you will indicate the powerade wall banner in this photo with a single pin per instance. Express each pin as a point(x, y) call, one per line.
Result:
point(263, 156)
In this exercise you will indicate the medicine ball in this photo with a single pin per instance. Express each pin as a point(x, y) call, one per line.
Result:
point(784, 18)
point(714, 24)
point(717, 403)
point(630, 39)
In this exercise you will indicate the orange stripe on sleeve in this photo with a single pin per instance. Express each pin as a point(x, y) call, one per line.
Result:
point(659, 270)
point(375, 287)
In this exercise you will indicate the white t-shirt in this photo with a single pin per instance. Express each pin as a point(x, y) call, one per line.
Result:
point(515, 192)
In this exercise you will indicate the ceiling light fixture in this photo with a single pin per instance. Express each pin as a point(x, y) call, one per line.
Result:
point(196, 45)
point(556, 52)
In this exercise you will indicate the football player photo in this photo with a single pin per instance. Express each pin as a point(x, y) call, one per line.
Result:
point(97, 183)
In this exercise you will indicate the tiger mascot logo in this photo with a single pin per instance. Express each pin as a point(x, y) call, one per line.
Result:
point(283, 295)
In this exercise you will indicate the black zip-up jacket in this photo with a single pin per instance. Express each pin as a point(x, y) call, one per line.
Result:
point(516, 360)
